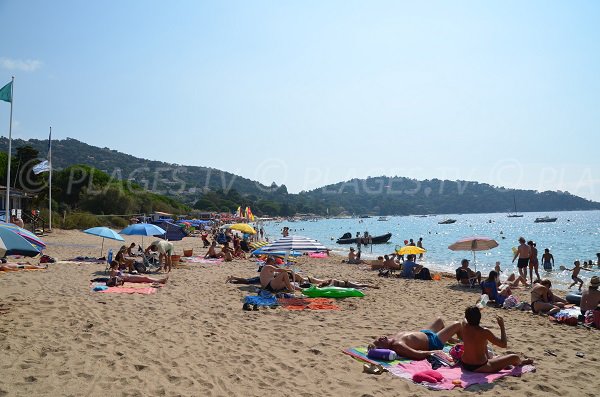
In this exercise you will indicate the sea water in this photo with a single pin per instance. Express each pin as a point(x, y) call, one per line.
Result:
point(574, 236)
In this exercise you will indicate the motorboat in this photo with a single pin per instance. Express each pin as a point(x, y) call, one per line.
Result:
point(447, 221)
point(545, 219)
point(348, 239)
point(382, 218)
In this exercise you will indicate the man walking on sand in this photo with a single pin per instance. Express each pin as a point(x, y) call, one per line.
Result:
point(523, 253)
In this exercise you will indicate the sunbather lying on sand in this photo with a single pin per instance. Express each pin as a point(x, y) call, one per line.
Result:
point(475, 338)
point(7, 267)
point(418, 345)
point(133, 278)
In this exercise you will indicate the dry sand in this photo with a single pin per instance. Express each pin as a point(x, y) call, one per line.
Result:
point(192, 337)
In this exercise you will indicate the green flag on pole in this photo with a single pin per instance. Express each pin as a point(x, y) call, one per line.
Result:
point(6, 93)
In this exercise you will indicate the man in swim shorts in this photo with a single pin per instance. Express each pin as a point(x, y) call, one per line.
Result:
point(418, 345)
point(523, 253)
point(475, 338)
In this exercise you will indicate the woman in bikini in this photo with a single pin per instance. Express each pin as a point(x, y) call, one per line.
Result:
point(541, 299)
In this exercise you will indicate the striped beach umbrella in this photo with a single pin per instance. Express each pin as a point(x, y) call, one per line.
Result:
point(13, 244)
point(295, 243)
point(26, 234)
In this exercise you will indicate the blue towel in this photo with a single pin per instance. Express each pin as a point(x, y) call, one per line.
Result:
point(100, 288)
point(264, 298)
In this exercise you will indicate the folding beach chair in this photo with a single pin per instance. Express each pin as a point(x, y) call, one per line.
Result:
point(461, 274)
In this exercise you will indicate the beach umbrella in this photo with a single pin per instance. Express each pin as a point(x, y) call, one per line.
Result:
point(473, 244)
point(12, 243)
point(26, 234)
point(242, 227)
point(410, 250)
point(104, 232)
point(260, 251)
point(143, 229)
point(295, 243)
point(257, 244)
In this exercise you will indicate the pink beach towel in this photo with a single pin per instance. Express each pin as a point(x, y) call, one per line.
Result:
point(200, 259)
point(129, 288)
point(317, 255)
point(466, 378)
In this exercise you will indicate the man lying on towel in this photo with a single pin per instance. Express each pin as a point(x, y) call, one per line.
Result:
point(419, 345)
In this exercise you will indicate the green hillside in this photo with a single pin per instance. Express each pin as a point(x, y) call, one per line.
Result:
point(213, 190)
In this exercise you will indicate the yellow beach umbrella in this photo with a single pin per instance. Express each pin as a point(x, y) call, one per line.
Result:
point(410, 250)
point(242, 227)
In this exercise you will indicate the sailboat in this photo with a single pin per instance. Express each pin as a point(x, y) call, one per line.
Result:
point(514, 214)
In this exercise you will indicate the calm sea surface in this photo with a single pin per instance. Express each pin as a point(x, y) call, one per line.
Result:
point(575, 235)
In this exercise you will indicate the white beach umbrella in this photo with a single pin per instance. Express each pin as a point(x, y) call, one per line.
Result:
point(295, 243)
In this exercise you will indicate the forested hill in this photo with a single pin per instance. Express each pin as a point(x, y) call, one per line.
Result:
point(214, 190)
point(395, 195)
point(165, 178)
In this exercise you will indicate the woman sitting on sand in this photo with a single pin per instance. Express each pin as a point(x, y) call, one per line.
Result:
point(353, 259)
point(226, 253)
point(121, 277)
point(494, 290)
point(542, 300)
point(124, 262)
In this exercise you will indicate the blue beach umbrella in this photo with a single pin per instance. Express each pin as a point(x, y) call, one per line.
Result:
point(13, 244)
point(143, 229)
point(26, 234)
point(104, 232)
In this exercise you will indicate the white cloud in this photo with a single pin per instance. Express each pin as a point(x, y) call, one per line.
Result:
point(27, 65)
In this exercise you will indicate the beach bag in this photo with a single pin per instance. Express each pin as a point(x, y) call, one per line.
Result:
point(592, 318)
point(510, 302)
point(47, 259)
point(139, 267)
point(424, 274)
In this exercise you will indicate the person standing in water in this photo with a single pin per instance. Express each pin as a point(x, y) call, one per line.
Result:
point(548, 260)
point(533, 260)
point(523, 253)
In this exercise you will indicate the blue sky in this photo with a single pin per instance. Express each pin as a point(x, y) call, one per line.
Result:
point(314, 92)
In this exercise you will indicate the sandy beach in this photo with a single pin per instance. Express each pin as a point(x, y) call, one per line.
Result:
point(192, 338)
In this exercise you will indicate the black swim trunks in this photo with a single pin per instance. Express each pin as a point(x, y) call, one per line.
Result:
point(522, 262)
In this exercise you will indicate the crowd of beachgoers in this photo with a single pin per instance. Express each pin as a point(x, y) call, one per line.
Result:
point(228, 255)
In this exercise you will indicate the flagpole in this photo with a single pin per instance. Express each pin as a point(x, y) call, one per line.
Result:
point(50, 183)
point(7, 206)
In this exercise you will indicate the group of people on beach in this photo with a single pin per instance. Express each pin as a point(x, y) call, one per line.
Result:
point(468, 332)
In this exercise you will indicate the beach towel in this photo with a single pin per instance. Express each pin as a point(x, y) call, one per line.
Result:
point(85, 259)
point(308, 304)
point(453, 376)
point(200, 259)
point(317, 255)
point(264, 298)
point(127, 288)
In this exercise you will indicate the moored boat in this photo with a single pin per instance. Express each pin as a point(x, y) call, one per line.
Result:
point(545, 219)
point(384, 238)
point(447, 221)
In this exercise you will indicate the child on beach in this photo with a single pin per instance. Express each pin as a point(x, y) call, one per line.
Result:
point(575, 276)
